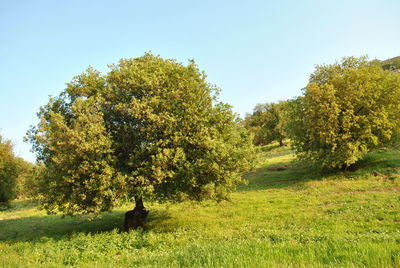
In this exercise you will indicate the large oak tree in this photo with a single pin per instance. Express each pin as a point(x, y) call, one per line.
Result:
point(148, 129)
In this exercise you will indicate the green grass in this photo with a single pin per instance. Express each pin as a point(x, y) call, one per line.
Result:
point(288, 215)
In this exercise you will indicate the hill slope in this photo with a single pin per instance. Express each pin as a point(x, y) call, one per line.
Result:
point(392, 64)
point(288, 215)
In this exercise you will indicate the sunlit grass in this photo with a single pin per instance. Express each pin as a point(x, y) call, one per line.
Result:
point(288, 215)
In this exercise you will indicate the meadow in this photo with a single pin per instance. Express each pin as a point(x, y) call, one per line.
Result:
point(289, 214)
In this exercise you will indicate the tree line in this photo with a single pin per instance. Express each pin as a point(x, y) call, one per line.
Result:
point(154, 129)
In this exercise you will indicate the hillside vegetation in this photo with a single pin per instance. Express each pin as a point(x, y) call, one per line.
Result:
point(288, 215)
point(392, 64)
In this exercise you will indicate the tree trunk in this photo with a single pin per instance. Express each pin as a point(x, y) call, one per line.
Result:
point(135, 219)
point(281, 142)
point(352, 167)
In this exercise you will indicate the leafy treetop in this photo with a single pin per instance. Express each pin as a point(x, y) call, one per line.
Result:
point(150, 128)
point(347, 109)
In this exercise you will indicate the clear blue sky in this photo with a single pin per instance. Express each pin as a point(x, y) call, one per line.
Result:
point(256, 51)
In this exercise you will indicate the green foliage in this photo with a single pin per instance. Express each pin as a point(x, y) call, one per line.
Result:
point(150, 127)
point(267, 123)
point(282, 218)
point(392, 64)
point(13, 171)
point(24, 170)
point(347, 109)
point(8, 171)
point(31, 181)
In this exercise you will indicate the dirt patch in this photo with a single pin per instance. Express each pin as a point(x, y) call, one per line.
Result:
point(271, 182)
point(10, 218)
point(278, 168)
point(391, 189)
point(268, 175)
point(390, 177)
point(367, 192)
point(257, 172)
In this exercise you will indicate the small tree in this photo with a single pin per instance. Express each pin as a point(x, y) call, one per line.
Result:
point(267, 123)
point(8, 171)
point(31, 180)
point(13, 172)
point(150, 128)
point(347, 109)
point(25, 173)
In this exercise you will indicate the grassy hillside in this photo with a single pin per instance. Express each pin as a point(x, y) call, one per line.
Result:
point(288, 215)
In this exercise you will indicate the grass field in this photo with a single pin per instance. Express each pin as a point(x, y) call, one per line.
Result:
point(288, 215)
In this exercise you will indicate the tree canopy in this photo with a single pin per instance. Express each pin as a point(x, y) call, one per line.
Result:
point(149, 128)
point(267, 122)
point(348, 108)
point(13, 171)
